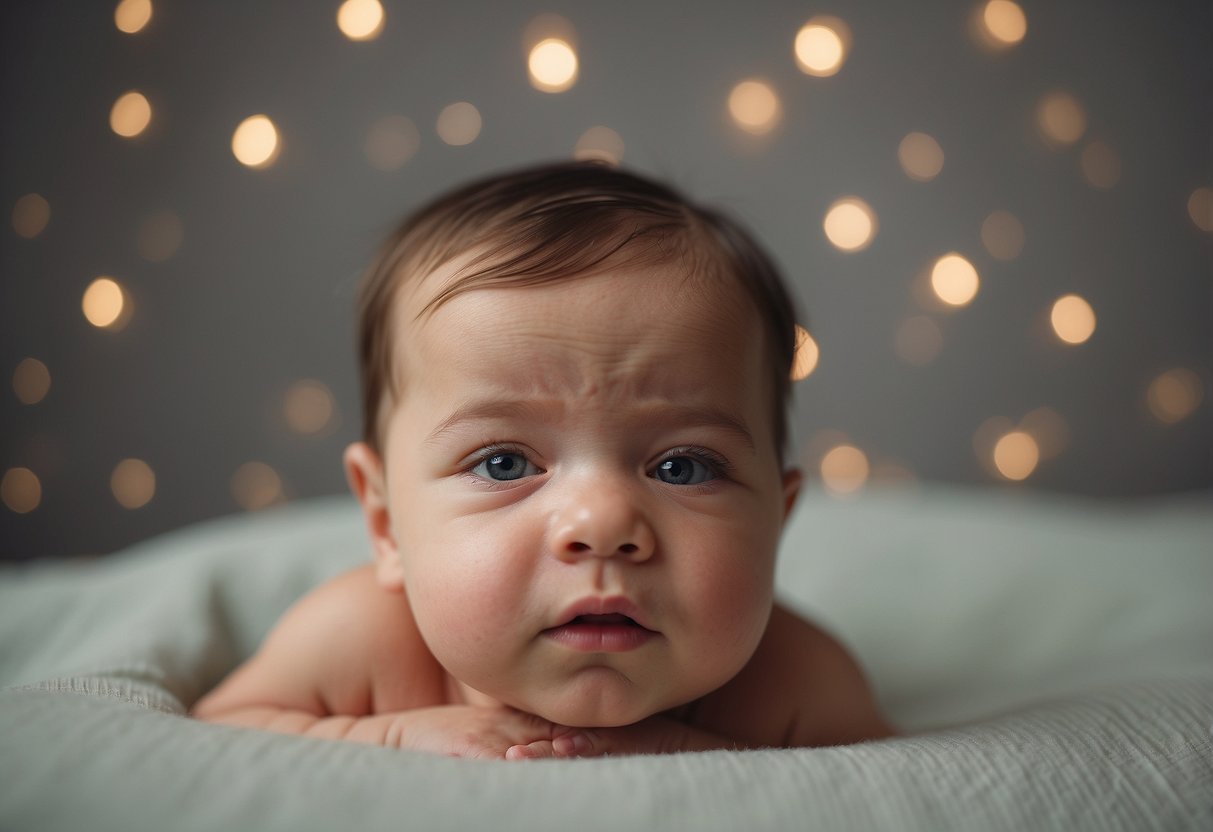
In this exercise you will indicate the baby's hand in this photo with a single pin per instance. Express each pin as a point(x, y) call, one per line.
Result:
point(488, 733)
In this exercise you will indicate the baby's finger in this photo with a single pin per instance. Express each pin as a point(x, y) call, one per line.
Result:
point(574, 744)
point(531, 751)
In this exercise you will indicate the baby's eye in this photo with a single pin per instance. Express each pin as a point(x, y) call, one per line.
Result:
point(683, 470)
point(504, 466)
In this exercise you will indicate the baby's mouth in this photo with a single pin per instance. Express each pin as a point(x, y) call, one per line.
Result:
point(611, 632)
point(609, 619)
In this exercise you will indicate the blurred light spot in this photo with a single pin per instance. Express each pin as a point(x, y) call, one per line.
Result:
point(804, 361)
point(31, 381)
point(133, 483)
point(20, 490)
point(159, 236)
point(255, 142)
point(459, 123)
point(1100, 165)
point(1016, 455)
point(1048, 428)
point(1174, 395)
point(391, 142)
point(1073, 319)
point(921, 157)
point(308, 407)
point(1200, 208)
point(130, 16)
point(130, 115)
point(850, 224)
point(360, 19)
point(821, 46)
point(105, 305)
point(844, 469)
point(1060, 118)
point(1004, 22)
point(754, 107)
point(552, 65)
point(986, 437)
point(600, 143)
point(918, 341)
point(31, 213)
point(1002, 235)
point(954, 280)
point(256, 485)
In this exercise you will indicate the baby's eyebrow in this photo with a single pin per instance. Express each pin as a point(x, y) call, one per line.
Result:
point(486, 409)
point(666, 413)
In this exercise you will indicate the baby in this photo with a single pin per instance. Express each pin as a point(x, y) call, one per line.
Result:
point(574, 391)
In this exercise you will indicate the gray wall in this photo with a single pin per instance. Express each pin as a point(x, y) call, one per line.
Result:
point(260, 292)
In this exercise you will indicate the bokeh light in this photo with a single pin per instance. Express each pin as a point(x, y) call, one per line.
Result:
point(31, 381)
point(850, 224)
point(133, 483)
point(1174, 395)
point(600, 143)
point(920, 156)
point(255, 142)
point(20, 490)
point(1004, 23)
point(458, 124)
point(391, 142)
point(130, 16)
point(105, 304)
point(1073, 319)
point(754, 107)
point(1061, 119)
point(552, 65)
point(256, 485)
point(954, 280)
point(918, 341)
point(1050, 431)
point(159, 236)
point(1003, 236)
point(1200, 208)
point(1016, 455)
point(844, 469)
point(360, 19)
point(804, 361)
point(1100, 165)
point(309, 408)
point(821, 46)
point(31, 213)
point(130, 115)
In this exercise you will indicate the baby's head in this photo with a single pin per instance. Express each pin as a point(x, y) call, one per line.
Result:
point(574, 389)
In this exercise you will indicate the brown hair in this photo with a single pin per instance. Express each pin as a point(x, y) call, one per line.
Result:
point(554, 222)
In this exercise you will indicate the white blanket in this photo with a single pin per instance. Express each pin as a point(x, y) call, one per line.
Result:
point(1052, 658)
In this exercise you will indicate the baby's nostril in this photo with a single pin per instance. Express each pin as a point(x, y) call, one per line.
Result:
point(578, 546)
point(628, 548)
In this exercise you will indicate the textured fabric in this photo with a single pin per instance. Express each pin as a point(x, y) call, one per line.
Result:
point(1054, 659)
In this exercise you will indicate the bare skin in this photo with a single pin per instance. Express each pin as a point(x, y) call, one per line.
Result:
point(573, 520)
point(344, 663)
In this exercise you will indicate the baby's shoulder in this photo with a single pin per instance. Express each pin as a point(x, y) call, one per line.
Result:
point(371, 657)
point(801, 687)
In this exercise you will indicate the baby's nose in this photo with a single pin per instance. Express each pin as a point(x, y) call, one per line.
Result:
point(603, 525)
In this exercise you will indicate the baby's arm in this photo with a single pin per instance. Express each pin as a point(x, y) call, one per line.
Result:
point(346, 662)
point(801, 688)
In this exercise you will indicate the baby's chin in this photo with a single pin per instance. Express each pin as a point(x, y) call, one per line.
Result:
point(587, 710)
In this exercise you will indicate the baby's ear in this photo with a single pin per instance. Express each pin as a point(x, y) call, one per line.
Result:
point(364, 471)
point(792, 478)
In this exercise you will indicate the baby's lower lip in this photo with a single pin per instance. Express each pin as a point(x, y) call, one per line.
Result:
point(599, 637)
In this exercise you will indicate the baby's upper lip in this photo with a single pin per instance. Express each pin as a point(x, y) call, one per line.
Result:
point(603, 605)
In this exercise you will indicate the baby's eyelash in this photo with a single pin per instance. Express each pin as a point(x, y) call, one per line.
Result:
point(719, 464)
